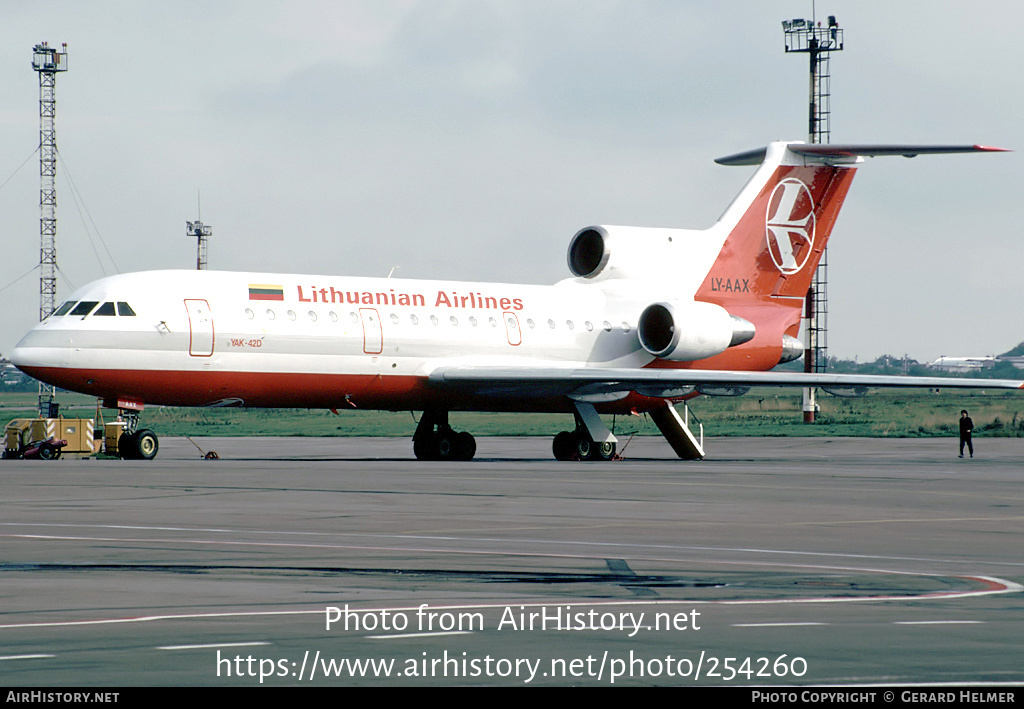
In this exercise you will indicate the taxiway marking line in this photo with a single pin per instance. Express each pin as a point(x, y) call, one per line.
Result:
point(211, 645)
point(418, 635)
point(773, 625)
point(938, 622)
point(25, 657)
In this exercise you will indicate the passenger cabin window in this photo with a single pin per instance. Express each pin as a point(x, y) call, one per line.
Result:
point(123, 309)
point(85, 307)
point(63, 310)
point(106, 309)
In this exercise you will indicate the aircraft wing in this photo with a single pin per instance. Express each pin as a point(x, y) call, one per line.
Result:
point(608, 384)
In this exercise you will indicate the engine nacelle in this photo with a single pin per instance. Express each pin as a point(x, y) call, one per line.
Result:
point(792, 349)
point(687, 331)
point(624, 251)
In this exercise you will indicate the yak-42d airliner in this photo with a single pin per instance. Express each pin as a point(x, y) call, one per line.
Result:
point(651, 317)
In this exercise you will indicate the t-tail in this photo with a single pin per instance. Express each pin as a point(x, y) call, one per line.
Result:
point(731, 296)
point(778, 228)
point(781, 221)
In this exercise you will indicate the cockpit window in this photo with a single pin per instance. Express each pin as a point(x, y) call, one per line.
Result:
point(105, 309)
point(84, 308)
point(63, 309)
point(124, 309)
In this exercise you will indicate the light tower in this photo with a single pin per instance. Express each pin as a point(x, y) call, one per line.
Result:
point(48, 62)
point(809, 37)
point(200, 231)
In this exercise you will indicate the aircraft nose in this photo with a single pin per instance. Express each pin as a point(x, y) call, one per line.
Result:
point(41, 348)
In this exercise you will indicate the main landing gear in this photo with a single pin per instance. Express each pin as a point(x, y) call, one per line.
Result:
point(436, 440)
point(590, 441)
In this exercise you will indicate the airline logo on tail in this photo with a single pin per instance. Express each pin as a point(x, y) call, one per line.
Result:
point(789, 225)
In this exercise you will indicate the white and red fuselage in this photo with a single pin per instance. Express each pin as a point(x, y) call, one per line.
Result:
point(649, 315)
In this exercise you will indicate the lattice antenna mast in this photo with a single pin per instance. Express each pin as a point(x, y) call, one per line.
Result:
point(809, 37)
point(48, 62)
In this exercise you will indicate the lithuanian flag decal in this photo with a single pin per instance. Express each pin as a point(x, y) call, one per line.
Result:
point(261, 291)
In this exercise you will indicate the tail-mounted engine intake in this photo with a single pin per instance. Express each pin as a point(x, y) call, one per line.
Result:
point(690, 331)
point(624, 251)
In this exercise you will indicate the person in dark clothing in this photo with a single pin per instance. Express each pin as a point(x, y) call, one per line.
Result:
point(966, 426)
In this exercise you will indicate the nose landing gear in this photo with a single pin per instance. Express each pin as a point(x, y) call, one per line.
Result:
point(135, 443)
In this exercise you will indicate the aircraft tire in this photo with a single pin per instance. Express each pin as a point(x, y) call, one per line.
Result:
point(128, 447)
point(445, 447)
point(584, 448)
point(604, 451)
point(465, 446)
point(146, 444)
point(423, 447)
point(563, 446)
point(48, 451)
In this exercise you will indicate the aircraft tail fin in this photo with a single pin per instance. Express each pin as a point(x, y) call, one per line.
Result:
point(777, 228)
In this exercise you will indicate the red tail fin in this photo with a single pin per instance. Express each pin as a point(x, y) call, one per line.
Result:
point(776, 242)
point(780, 223)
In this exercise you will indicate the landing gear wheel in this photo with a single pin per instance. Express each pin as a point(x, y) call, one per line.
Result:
point(444, 446)
point(465, 446)
point(127, 447)
point(583, 448)
point(604, 451)
point(563, 446)
point(423, 446)
point(48, 451)
point(146, 444)
point(577, 445)
point(436, 440)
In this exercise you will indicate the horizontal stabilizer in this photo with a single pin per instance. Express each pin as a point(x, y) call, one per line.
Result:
point(836, 151)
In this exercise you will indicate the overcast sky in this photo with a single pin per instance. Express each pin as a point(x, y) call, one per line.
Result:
point(470, 139)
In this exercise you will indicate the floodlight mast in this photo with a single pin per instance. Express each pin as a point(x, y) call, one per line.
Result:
point(809, 37)
point(48, 61)
point(201, 232)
